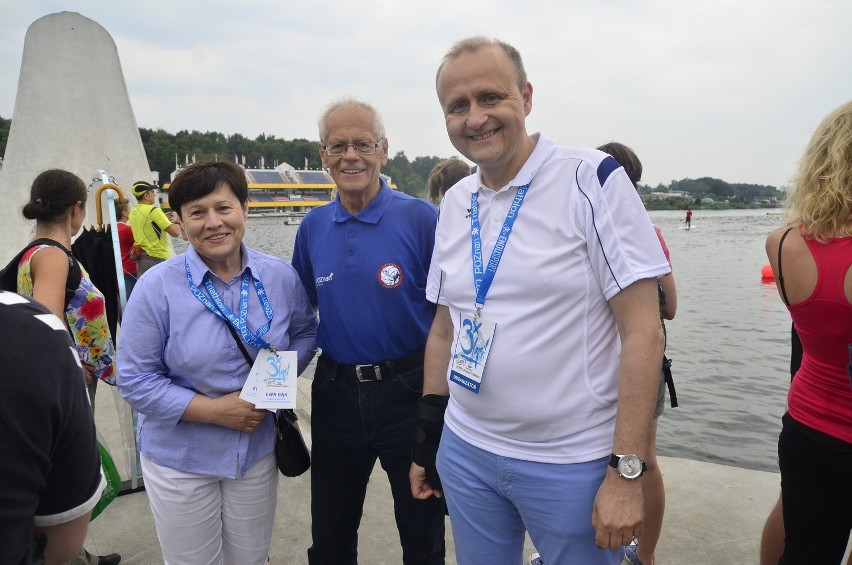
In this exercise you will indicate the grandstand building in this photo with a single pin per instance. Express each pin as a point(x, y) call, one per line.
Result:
point(283, 191)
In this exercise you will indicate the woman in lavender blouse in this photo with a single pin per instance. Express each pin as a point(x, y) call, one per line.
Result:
point(207, 455)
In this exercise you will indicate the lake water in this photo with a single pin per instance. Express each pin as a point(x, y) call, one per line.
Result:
point(729, 343)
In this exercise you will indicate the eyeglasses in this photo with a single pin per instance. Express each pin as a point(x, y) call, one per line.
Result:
point(360, 147)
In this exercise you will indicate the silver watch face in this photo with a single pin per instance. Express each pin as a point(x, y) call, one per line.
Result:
point(630, 466)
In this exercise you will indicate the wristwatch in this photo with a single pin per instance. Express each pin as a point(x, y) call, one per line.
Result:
point(628, 466)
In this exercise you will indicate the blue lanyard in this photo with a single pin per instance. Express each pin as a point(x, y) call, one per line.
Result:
point(483, 275)
point(253, 339)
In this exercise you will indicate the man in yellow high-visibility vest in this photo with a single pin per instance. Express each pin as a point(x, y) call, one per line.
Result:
point(151, 228)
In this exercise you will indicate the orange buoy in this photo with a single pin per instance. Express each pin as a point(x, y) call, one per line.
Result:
point(766, 272)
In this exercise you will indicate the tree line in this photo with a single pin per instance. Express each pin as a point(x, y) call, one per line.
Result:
point(166, 150)
point(266, 150)
point(723, 195)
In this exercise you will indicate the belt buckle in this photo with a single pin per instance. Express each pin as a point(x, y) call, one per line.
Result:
point(377, 373)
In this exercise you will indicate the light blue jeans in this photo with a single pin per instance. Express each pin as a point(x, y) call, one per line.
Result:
point(492, 500)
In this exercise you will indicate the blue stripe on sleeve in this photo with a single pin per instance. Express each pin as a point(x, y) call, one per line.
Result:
point(606, 168)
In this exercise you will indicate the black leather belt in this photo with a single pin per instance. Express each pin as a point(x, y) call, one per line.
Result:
point(369, 372)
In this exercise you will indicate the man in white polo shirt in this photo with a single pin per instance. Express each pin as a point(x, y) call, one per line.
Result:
point(546, 346)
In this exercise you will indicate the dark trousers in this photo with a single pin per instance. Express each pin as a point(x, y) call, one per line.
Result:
point(145, 263)
point(816, 491)
point(129, 283)
point(352, 424)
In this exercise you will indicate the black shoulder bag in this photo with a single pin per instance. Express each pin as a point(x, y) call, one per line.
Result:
point(291, 453)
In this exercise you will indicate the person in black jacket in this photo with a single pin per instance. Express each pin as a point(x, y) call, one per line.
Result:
point(50, 474)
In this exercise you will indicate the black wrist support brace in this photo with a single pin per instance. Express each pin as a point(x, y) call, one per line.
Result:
point(428, 425)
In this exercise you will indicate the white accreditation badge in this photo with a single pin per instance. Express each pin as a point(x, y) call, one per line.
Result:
point(473, 344)
point(271, 384)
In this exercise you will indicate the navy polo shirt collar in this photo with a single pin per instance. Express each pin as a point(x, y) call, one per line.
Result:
point(374, 210)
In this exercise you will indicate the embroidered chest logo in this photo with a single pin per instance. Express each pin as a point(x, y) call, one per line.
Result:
point(325, 279)
point(389, 275)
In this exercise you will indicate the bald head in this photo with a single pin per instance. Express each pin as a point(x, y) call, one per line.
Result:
point(478, 42)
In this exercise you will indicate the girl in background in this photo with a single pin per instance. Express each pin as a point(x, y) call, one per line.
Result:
point(653, 490)
point(444, 175)
point(58, 205)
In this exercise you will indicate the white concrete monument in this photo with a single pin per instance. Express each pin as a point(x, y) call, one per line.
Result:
point(72, 112)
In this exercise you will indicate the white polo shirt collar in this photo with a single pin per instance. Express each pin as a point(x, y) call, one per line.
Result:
point(543, 148)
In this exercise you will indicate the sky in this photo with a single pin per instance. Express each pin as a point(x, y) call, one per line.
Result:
point(725, 89)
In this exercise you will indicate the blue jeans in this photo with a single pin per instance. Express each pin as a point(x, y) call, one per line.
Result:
point(494, 499)
point(352, 424)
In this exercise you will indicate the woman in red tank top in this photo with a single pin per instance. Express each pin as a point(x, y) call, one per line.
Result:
point(811, 259)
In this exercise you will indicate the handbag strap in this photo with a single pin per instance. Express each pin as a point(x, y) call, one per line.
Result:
point(242, 347)
point(157, 229)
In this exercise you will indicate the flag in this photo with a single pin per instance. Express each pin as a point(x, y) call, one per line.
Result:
point(186, 158)
point(262, 162)
point(306, 163)
point(244, 160)
point(236, 159)
point(193, 158)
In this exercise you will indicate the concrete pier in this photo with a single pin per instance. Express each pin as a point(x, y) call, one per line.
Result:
point(714, 513)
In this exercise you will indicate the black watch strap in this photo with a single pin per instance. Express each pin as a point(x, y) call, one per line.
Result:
point(613, 460)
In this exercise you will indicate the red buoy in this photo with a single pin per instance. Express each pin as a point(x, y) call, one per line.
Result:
point(766, 272)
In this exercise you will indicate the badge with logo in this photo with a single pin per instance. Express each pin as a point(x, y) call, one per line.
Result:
point(271, 384)
point(473, 343)
point(390, 275)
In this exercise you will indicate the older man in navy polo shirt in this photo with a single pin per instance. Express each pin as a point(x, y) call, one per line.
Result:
point(364, 260)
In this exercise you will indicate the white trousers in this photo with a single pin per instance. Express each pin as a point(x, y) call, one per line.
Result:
point(204, 520)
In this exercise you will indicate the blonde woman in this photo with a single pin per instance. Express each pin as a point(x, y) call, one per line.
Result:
point(811, 259)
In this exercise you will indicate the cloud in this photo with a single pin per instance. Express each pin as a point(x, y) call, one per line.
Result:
point(725, 89)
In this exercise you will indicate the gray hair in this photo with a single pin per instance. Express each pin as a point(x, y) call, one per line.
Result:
point(478, 42)
point(348, 104)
